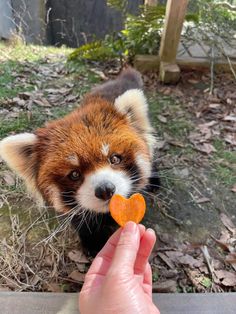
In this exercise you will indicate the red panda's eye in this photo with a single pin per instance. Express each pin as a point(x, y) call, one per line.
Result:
point(115, 159)
point(74, 175)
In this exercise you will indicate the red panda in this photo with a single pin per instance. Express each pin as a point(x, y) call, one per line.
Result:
point(78, 162)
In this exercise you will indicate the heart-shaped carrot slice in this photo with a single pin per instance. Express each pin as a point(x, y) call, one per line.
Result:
point(123, 210)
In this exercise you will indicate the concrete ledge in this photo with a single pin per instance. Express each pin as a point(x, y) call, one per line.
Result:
point(66, 303)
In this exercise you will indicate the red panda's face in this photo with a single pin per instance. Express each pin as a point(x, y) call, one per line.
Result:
point(77, 163)
point(80, 161)
point(88, 156)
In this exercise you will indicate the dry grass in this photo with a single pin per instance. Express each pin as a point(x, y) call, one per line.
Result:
point(30, 258)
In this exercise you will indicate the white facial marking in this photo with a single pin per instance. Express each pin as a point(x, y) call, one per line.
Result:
point(86, 194)
point(105, 149)
point(145, 166)
point(54, 195)
point(73, 159)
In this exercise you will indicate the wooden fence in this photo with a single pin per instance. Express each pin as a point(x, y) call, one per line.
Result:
point(168, 63)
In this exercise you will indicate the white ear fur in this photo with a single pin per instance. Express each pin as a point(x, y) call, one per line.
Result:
point(16, 150)
point(134, 104)
point(132, 100)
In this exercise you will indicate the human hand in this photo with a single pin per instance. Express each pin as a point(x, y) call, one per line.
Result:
point(119, 280)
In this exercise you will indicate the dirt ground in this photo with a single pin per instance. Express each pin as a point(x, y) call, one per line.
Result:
point(193, 212)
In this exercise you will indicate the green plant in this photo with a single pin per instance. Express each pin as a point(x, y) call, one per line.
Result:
point(216, 27)
point(96, 50)
point(141, 35)
point(120, 5)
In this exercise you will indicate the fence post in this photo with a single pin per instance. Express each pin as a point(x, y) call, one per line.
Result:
point(174, 18)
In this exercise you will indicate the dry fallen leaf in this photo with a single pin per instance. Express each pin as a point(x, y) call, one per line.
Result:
point(51, 90)
point(176, 143)
point(71, 98)
point(160, 144)
point(54, 287)
point(214, 106)
point(205, 131)
point(8, 178)
point(202, 200)
point(174, 255)
point(231, 258)
point(193, 81)
point(18, 102)
point(205, 148)
point(34, 280)
point(224, 245)
point(227, 278)
point(190, 261)
point(77, 276)
point(100, 74)
point(166, 286)
point(230, 118)
point(42, 102)
point(166, 260)
point(64, 90)
point(195, 277)
point(78, 257)
point(228, 223)
point(230, 139)
point(162, 118)
point(25, 95)
point(234, 188)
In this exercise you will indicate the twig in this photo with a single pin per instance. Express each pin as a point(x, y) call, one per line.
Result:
point(212, 70)
point(163, 211)
point(208, 259)
point(226, 5)
point(230, 65)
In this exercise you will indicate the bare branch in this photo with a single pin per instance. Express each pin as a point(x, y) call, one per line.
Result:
point(226, 5)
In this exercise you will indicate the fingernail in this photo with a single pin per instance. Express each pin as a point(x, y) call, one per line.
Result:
point(130, 227)
point(151, 230)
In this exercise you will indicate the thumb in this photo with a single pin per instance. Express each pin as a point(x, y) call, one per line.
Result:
point(126, 249)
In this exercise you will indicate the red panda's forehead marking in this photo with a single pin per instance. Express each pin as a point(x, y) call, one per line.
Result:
point(105, 149)
point(73, 159)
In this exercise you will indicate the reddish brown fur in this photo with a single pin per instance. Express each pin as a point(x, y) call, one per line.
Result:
point(82, 133)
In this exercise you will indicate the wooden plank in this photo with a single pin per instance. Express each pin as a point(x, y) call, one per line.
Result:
point(169, 71)
point(145, 63)
point(62, 303)
point(174, 18)
point(220, 65)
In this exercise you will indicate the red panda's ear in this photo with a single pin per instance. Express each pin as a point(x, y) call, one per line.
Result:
point(18, 152)
point(134, 105)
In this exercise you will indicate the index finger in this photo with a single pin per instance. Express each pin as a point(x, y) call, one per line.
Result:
point(103, 260)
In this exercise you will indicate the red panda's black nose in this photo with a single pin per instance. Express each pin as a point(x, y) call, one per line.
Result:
point(105, 190)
